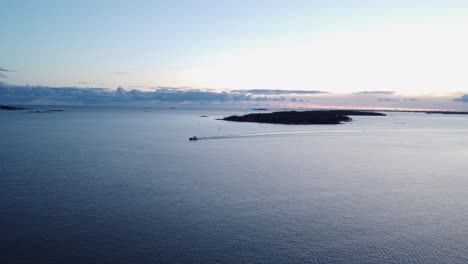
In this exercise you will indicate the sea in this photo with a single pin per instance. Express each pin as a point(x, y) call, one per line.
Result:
point(125, 185)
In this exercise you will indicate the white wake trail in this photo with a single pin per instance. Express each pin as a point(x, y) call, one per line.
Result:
point(281, 133)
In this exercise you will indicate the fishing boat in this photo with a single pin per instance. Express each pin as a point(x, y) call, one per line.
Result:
point(193, 138)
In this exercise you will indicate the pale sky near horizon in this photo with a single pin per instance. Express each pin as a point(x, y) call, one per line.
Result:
point(412, 47)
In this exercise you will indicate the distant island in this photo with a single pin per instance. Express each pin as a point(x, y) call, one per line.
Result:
point(17, 108)
point(446, 112)
point(260, 109)
point(325, 117)
point(11, 108)
point(47, 111)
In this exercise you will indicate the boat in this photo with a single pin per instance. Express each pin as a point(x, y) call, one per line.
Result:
point(193, 138)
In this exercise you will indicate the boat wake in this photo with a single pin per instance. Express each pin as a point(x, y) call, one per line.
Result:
point(357, 131)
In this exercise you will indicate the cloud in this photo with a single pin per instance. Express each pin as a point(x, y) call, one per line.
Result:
point(181, 95)
point(2, 75)
point(44, 95)
point(15, 94)
point(388, 100)
point(463, 99)
point(397, 99)
point(374, 92)
point(7, 70)
point(276, 92)
point(117, 73)
point(410, 99)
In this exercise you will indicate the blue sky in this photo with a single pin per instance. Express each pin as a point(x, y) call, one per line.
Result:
point(411, 47)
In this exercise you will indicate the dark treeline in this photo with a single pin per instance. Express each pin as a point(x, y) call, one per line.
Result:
point(302, 117)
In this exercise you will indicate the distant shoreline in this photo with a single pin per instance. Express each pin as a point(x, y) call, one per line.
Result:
point(18, 107)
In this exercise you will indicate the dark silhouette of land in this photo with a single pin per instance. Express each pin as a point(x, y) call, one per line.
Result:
point(15, 108)
point(426, 112)
point(47, 111)
point(260, 109)
point(446, 112)
point(11, 108)
point(325, 117)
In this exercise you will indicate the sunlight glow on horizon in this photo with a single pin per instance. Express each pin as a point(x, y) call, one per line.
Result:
point(419, 58)
point(413, 48)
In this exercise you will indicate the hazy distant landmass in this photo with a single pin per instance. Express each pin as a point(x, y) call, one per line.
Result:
point(302, 117)
point(446, 112)
point(47, 111)
point(16, 108)
point(11, 108)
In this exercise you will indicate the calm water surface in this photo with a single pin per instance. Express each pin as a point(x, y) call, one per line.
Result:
point(126, 186)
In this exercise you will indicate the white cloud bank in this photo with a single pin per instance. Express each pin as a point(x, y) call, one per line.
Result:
point(34, 95)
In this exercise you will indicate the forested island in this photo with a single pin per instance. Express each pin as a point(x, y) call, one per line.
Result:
point(321, 117)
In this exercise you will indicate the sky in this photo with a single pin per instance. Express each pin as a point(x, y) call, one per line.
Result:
point(415, 49)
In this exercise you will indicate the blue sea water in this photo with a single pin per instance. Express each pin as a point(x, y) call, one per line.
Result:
point(103, 185)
